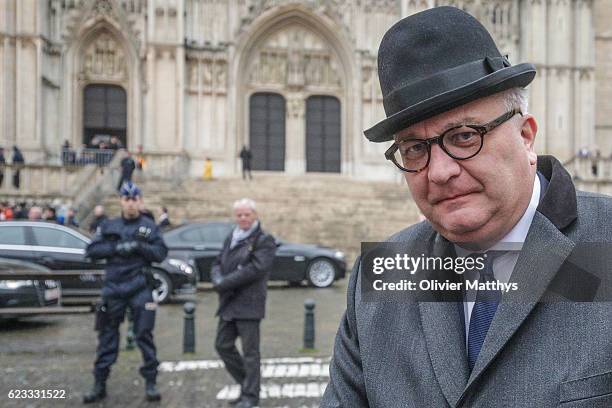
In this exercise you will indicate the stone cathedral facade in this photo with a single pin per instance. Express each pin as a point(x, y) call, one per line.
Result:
point(294, 80)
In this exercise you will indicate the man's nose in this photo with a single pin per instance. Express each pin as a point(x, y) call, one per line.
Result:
point(441, 167)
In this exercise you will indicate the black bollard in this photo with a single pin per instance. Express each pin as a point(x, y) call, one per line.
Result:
point(189, 328)
point(130, 330)
point(309, 324)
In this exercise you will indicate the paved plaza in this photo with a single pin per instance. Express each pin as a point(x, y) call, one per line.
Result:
point(57, 353)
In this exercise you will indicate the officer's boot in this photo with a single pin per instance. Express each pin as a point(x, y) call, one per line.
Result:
point(151, 392)
point(97, 393)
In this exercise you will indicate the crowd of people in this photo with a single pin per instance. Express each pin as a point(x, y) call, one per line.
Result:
point(64, 214)
point(29, 210)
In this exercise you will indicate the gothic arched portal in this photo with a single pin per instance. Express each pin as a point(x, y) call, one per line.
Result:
point(295, 52)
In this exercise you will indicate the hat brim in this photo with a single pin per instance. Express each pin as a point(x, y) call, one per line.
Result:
point(517, 76)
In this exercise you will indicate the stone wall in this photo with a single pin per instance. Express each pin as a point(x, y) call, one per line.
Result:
point(189, 67)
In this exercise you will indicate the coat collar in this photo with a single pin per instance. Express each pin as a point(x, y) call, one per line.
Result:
point(558, 199)
point(250, 239)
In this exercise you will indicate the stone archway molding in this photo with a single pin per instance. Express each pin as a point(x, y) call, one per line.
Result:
point(256, 33)
point(101, 18)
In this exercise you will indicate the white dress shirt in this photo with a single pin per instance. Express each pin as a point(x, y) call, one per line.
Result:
point(504, 264)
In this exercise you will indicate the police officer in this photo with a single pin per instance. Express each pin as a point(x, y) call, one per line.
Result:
point(129, 244)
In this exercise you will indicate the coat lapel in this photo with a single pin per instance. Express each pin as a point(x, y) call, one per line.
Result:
point(445, 337)
point(544, 251)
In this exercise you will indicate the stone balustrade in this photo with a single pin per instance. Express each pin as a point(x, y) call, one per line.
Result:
point(45, 180)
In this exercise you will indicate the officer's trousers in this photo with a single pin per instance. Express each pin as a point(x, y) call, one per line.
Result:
point(143, 310)
point(245, 370)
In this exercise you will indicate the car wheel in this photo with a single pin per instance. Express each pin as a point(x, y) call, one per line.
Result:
point(321, 273)
point(163, 292)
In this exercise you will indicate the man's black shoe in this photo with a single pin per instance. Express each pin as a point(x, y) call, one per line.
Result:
point(151, 392)
point(247, 403)
point(97, 393)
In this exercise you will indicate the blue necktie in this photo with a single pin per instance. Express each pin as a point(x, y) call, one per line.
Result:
point(484, 309)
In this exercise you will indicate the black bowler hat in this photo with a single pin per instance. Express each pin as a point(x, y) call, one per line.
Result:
point(434, 61)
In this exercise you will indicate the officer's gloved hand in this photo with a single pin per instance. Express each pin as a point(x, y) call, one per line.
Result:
point(216, 280)
point(215, 277)
point(126, 248)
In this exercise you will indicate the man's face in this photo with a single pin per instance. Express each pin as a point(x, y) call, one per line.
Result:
point(245, 217)
point(34, 214)
point(476, 201)
point(130, 206)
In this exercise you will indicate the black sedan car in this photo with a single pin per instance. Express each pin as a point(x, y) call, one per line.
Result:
point(16, 292)
point(62, 248)
point(200, 243)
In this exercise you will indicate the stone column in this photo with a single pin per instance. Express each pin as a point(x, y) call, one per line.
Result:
point(404, 10)
point(533, 41)
point(584, 87)
point(5, 72)
point(179, 30)
point(560, 83)
point(295, 134)
point(28, 79)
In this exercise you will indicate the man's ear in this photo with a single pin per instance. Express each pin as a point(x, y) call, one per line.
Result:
point(529, 130)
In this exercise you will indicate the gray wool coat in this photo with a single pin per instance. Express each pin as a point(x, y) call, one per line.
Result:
point(537, 353)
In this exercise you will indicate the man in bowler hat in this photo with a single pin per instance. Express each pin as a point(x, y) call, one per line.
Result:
point(459, 131)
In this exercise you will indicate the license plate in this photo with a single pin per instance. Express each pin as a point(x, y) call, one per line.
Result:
point(51, 294)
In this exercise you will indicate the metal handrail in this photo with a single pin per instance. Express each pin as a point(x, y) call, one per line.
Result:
point(83, 157)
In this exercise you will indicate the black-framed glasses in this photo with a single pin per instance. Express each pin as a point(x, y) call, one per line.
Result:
point(460, 142)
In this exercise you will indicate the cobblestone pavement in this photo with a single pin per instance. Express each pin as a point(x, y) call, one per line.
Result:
point(57, 353)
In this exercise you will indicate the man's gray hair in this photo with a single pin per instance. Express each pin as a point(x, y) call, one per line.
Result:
point(516, 98)
point(245, 202)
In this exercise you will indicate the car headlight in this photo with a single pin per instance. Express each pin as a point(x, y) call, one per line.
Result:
point(15, 284)
point(339, 255)
point(181, 265)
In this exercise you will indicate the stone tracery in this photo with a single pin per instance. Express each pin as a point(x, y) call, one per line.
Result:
point(104, 59)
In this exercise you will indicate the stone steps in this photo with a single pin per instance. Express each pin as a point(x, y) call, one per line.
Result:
point(328, 210)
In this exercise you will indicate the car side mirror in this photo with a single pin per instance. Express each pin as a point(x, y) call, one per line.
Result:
point(278, 243)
